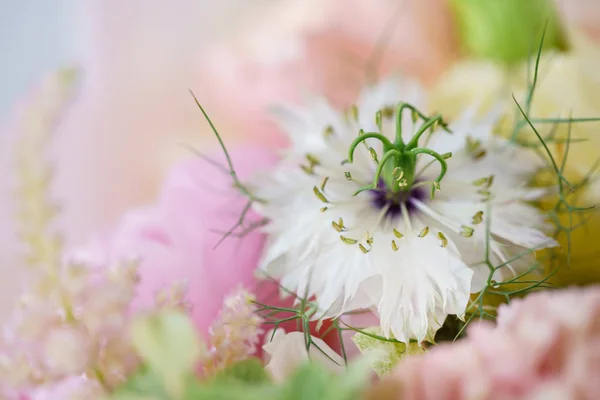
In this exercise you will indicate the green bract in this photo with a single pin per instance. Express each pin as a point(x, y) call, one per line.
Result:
point(386, 353)
point(506, 30)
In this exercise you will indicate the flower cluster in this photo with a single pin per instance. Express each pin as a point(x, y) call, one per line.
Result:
point(235, 334)
point(73, 322)
point(73, 325)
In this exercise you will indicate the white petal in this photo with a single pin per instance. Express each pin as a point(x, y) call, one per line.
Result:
point(287, 351)
point(423, 279)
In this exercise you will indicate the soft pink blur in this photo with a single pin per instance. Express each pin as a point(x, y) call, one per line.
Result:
point(175, 239)
point(331, 51)
point(546, 346)
point(140, 57)
point(133, 111)
point(584, 14)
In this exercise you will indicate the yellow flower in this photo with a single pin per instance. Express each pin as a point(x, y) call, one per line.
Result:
point(568, 86)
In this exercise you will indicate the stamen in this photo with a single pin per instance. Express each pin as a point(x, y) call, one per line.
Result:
point(363, 248)
point(478, 217)
point(480, 181)
point(354, 112)
point(474, 147)
point(308, 170)
point(388, 111)
point(480, 154)
point(487, 181)
point(323, 183)
point(348, 240)
point(378, 122)
point(487, 195)
point(328, 131)
point(373, 155)
point(398, 234)
point(337, 226)
point(312, 159)
point(323, 209)
point(443, 239)
point(414, 116)
point(348, 175)
point(320, 195)
point(394, 245)
point(424, 232)
point(466, 231)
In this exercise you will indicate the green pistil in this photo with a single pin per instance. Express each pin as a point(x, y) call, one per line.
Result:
point(397, 166)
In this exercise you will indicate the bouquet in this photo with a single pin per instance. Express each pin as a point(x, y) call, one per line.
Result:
point(408, 240)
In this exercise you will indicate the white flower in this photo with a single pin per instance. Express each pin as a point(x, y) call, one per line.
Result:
point(413, 259)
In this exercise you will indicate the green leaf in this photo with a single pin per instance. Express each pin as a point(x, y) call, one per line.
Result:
point(144, 385)
point(249, 371)
point(168, 343)
point(383, 355)
point(311, 381)
point(506, 30)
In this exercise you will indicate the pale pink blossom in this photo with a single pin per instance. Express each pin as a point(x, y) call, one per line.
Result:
point(545, 346)
point(175, 239)
point(72, 321)
point(234, 335)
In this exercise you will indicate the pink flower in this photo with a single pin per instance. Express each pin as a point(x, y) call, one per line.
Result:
point(544, 347)
point(175, 239)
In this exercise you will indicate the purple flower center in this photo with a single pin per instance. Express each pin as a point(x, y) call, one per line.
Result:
point(383, 197)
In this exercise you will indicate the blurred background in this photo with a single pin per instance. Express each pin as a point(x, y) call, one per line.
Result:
point(35, 37)
point(136, 60)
